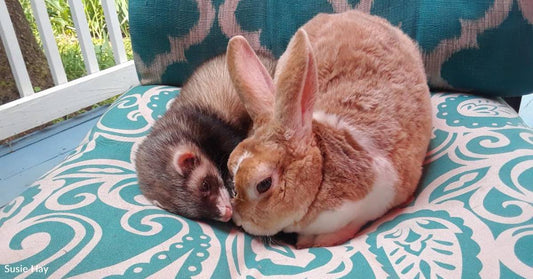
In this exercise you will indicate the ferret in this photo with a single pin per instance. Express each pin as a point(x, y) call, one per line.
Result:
point(181, 164)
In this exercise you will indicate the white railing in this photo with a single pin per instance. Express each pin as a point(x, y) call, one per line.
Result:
point(32, 109)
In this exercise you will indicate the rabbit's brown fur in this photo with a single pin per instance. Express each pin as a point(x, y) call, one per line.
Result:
point(343, 139)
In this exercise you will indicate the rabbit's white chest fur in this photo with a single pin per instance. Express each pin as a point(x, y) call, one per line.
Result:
point(373, 205)
point(357, 213)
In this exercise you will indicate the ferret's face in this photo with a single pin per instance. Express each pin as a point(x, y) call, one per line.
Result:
point(190, 186)
point(204, 186)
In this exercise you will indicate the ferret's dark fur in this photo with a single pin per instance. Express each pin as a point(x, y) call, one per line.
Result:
point(181, 165)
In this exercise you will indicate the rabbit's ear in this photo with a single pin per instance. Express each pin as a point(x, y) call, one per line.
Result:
point(296, 84)
point(251, 79)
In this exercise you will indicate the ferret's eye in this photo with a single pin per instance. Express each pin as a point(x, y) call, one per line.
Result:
point(209, 183)
point(264, 185)
point(205, 187)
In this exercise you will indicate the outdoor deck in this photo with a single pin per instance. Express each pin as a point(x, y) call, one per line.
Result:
point(28, 158)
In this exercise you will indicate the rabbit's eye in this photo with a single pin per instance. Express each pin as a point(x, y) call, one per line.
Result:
point(264, 185)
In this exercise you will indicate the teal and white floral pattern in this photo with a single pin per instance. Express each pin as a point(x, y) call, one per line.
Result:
point(471, 217)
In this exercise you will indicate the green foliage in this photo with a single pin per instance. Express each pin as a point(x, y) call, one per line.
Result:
point(71, 56)
point(61, 20)
point(96, 19)
point(67, 42)
point(65, 33)
point(59, 13)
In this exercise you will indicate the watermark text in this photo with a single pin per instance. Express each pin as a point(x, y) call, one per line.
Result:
point(25, 268)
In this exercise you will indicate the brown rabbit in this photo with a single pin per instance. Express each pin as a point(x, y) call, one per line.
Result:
point(340, 133)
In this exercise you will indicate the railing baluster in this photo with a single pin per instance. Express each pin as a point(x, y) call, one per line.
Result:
point(115, 34)
point(49, 42)
point(14, 55)
point(84, 36)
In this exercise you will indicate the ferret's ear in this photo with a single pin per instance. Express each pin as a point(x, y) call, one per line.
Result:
point(184, 162)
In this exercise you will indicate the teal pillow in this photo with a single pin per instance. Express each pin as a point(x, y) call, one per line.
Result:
point(471, 216)
point(483, 46)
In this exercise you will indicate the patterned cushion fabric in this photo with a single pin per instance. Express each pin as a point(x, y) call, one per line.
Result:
point(483, 46)
point(472, 215)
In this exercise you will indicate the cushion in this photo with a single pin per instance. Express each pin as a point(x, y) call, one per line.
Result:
point(481, 46)
point(472, 215)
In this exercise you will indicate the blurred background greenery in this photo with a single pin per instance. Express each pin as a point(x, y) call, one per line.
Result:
point(68, 45)
point(65, 33)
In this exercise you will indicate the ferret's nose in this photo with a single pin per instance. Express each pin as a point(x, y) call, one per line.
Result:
point(227, 214)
